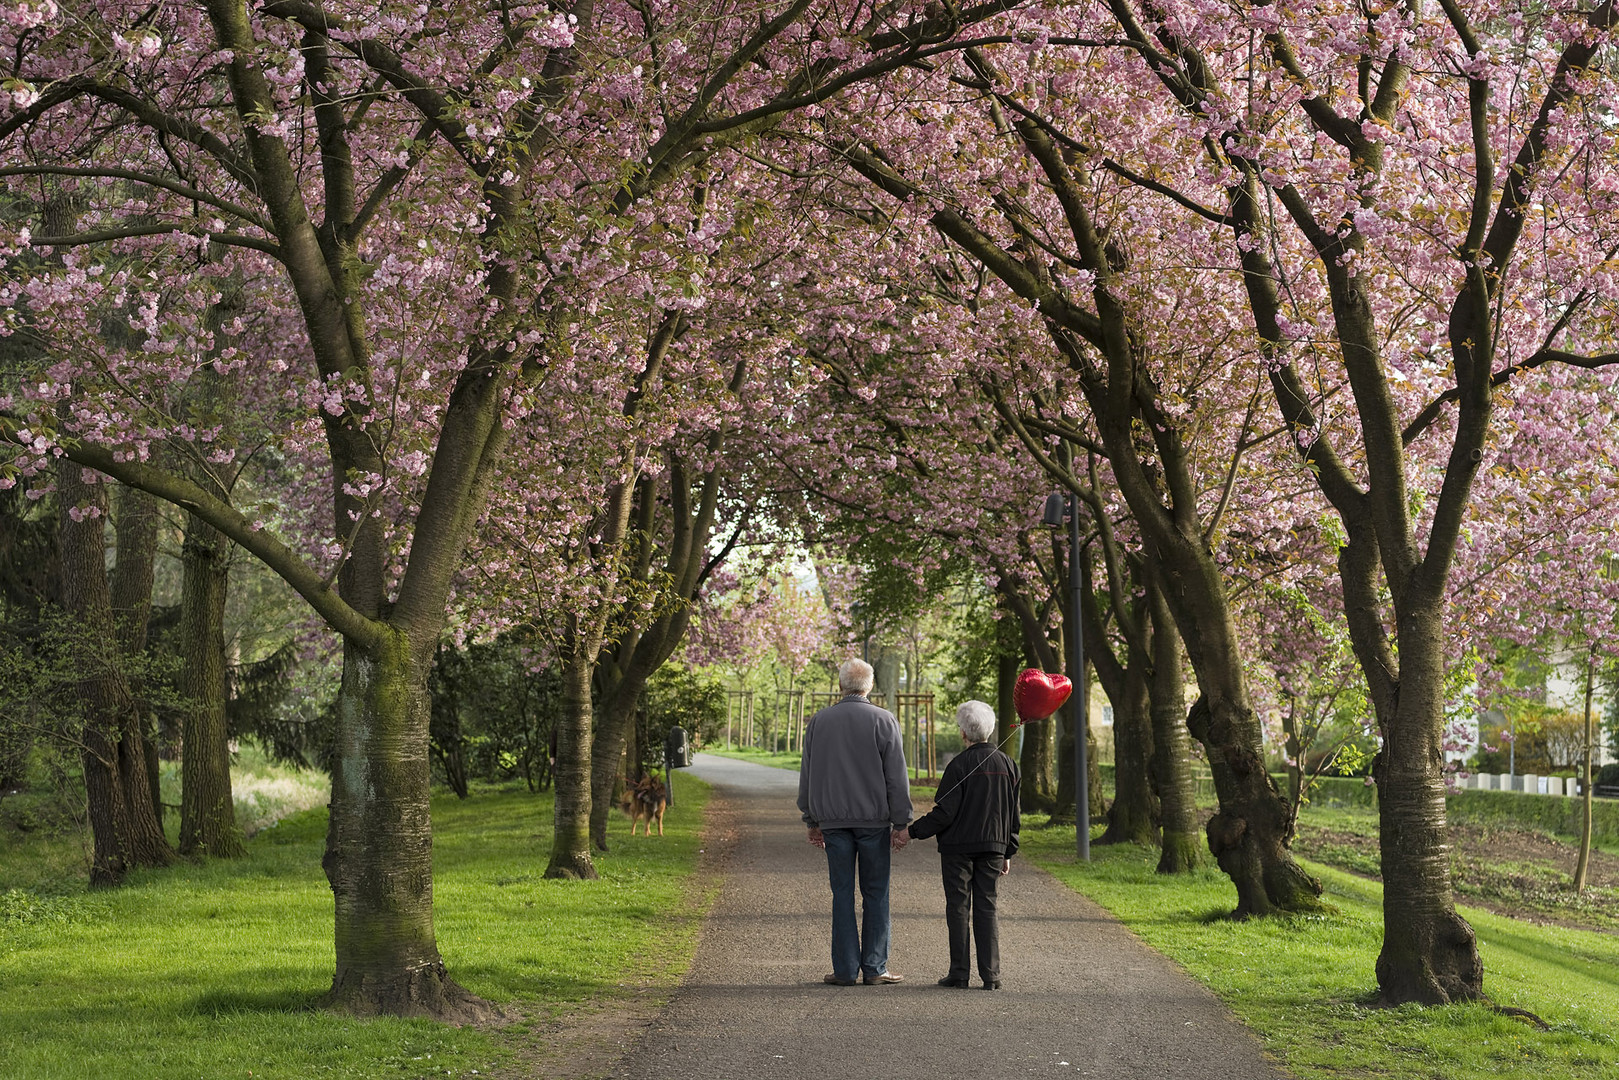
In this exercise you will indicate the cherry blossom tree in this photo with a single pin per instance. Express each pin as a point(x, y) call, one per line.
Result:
point(434, 198)
point(1538, 561)
point(1389, 260)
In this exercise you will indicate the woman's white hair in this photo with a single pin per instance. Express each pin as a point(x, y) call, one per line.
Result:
point(855, 677)
point(976, 721)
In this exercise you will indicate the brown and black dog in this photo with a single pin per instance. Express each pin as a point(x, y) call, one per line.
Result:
point(645, 798)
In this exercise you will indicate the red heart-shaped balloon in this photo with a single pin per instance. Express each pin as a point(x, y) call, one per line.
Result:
point(1037, 695)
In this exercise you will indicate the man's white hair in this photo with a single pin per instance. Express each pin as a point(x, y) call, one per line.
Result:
point(855, 677)
point(976, 721)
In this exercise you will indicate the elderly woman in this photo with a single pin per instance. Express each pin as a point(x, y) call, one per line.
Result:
point(976, 820)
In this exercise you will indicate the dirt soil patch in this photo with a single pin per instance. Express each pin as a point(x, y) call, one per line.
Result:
point(1515, 872)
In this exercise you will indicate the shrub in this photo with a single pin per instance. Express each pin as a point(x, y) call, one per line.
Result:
point(679, 697)
point(493, 712)
point(19, 908)
point(1546, 813)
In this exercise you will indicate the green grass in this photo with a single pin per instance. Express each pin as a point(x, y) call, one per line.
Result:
point(215, 969)
point(1303, 983)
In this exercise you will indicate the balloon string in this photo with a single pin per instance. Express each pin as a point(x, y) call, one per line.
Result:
point(940, 798)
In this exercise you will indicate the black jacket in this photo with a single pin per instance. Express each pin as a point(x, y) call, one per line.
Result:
point(977, 808)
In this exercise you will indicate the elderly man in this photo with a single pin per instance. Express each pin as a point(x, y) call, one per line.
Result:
point(856, 800)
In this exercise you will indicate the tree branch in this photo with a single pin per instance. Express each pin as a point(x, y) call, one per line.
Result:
point(151, 179)
point(127, 232)
point(190, 496)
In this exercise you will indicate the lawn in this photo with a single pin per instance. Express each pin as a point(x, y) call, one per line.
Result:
point(1303, 983)
point(214, 969)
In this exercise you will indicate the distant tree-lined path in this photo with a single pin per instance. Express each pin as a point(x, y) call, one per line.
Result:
point(1083, 997)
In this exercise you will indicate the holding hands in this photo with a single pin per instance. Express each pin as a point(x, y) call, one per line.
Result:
point(900, 837)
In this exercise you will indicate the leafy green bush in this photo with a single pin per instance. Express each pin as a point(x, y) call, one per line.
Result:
point(19, 908)
point(679, 697)
point(493, 712)
point(1343, 791)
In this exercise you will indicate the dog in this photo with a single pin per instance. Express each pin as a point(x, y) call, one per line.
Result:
point(645, 798)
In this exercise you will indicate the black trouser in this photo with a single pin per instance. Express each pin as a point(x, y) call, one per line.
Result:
point(969, 889)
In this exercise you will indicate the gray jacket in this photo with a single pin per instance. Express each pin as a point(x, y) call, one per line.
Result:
point(853, 771)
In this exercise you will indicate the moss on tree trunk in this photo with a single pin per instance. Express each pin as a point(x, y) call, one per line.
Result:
point(570, 841)
point(1180, 849)
point(379, 843)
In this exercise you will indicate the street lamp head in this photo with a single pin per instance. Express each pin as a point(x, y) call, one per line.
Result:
point(1056, 510)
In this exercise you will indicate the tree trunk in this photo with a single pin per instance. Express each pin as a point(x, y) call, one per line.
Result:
point(446, 741)
point(82, 547)
point(1063, 811)
point(1583, 865)
point(1006, 673)
point(648, 652)
point(379, 842)
point(1171, 765)
point(82, 551)
point(1062, 806)
point(123, 836)
point(1250, 835)
point(1133, 817)
point(207, 810)
point(107, 810)
point(1430, 954)
point(138, 773)
point(570, 841)
point(607, 750)
point(136, 532)
point(1039, 794)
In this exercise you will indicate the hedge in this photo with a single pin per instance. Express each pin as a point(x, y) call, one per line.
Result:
point(1548, 813)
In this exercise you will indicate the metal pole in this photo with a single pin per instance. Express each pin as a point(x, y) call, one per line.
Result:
point(1082, 777)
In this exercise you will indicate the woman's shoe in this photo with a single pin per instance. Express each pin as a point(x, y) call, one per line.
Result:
point(991, 984)
point(951, 980)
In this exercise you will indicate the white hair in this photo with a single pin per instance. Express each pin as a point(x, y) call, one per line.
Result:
point(855, 677)
point(976, 721)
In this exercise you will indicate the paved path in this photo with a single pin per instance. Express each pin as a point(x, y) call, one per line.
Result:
point(1083, 997)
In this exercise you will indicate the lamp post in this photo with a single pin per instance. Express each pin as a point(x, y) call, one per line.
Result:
point(1058, 505)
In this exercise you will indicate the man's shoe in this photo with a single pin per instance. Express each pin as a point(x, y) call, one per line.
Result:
point(885, 977)
point(992, 984)
point(833, 980)
point(951, 980)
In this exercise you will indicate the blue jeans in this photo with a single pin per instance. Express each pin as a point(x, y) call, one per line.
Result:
point(862, 952)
